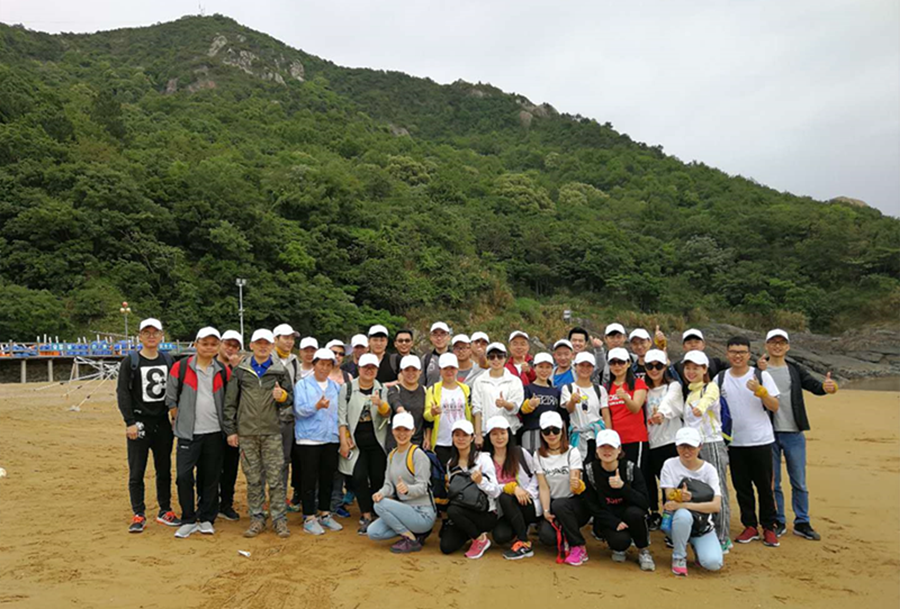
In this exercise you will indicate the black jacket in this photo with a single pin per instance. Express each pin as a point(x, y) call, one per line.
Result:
point(607, 504)
point(801, 379)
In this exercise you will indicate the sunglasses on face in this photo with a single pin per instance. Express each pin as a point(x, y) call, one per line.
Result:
point(616, 362)
point(551, 431)
point(495, 356)
point(655, 366)
point(403, 340)
point(339, 353)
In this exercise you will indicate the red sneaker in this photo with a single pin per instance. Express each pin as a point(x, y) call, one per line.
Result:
point(749, 534)
point(770, 538)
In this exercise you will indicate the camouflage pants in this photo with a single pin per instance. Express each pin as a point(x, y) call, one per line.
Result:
point(262, 459)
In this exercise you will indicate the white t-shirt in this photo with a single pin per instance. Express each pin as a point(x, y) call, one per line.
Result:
point(674, 471)
point(453, 408)
point(587, 410)
point(751, 425)
point(555, 469)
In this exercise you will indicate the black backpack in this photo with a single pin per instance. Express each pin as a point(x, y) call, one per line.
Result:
point(134, 359)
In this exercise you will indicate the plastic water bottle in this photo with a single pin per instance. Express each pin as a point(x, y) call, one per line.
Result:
point(666, 525)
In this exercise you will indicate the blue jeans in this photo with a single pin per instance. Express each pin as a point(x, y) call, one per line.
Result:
point(706, 547)
point(793, 445)
point(396, 517)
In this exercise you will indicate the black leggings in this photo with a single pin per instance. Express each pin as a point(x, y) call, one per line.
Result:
point(368, 476)
point(619, 541)
point(571, 514)
point(655, 460)
point(513, 524)
point(319, 464)
point(464, 525)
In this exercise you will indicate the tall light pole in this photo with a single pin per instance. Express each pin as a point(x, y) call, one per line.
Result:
point(125, 310)
point(240, 283)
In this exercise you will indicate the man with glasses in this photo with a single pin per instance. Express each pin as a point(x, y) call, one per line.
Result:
point(440, 340)
point(750, 396)
point(468, 369)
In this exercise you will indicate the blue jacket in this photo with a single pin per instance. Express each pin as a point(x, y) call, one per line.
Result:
point(312, 424)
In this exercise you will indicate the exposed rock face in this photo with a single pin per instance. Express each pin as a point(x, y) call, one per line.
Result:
point(203, 83)
point(217, 44)
point(252, 64)
point(849, 201)
point(171, 86)
point(398, 131)
point(242, 60)
point(297, 70)
point(525, 118)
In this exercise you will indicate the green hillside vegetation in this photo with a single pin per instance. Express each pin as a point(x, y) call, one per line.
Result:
point(156, 165)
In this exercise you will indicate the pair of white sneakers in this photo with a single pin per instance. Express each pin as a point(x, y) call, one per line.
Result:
point(186, 530)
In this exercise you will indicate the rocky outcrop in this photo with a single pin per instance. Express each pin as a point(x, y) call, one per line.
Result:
point(849, 201)
point(216, 46)
point(398, 131)
point(525, 118)
point(252, 64)
point(171, 86)
point(297, 70)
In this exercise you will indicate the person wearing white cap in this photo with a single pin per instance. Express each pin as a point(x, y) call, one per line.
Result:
point(480, 341)
point(558, 468)
point(693, 488)
point(617, 498)
point(440, 342)
point(363, 416)
point(446, 402)
point(316, 438)
point(588, 406)
point(640, 343)
point(308, 347)
point(259, 389)
point(790, 423)
point(468, 523)
point(229, 356)
point(338, 375)
point(563, 352)
point(540, 396)
point(195, 396)
point(468, 369)
point(663, 393)
point(519, 359)
point(519, 502)
point(141, 395)
point(285, 336)
point(359, 346)
point(408, 395)
point(692, 340)
point(499, 392)
point(378, 342)
point(404, 505)
point(627, 395)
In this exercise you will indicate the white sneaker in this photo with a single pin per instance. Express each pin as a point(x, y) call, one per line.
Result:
point(207, 528)
point(619, 556)
point(185, 530)
point(330, 523)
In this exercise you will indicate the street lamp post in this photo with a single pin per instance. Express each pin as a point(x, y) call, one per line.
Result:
point(240, 283)
point(125, 310)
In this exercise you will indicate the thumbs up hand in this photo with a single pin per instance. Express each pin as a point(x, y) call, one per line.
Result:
point(616, 481)
point(323, 403)
point(829, 385)
point(659, 338)
point(277, 392)
point(685, 494)
point(401, 486)
point(476, 475)
point(763, 362)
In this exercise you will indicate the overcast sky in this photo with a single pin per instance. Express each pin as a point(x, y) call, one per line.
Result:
point(801, 95)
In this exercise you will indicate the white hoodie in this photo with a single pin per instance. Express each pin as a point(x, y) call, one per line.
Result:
point(487, 389)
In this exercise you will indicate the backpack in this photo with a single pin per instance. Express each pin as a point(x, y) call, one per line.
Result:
point(134, 359)
point(436, 482)
point(182, 371)
point(727, 422)
point(570, 387)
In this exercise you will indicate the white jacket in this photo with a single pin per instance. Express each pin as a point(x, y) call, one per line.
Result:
point(668, 399)
point(485, 391)
point(488, 482)
point(526, 481)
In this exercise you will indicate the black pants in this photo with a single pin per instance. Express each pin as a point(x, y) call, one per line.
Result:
point(368, 476)
point(464, 525)
point(752, 466)
point(571, 514)
point(296, 474)
point(636, 452)
point(619, 541)
point(319, 464)
point(656, 458)
point(443, 454)
point(231, 457)
point(158, 437)
point(513, 524)
point(204, 453)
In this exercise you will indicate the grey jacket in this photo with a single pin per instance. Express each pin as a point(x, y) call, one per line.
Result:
point(418, 492)
point(350, 406)
point(184, 421)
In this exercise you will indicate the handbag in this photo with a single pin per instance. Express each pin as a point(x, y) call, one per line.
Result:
point(701, 492)
point(463, 492)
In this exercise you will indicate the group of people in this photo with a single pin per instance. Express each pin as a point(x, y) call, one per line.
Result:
point(480, 441)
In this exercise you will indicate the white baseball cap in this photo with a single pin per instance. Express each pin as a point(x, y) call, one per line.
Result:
point(639, 333)
point(324, 354)
point(208, 331)
point(448, 360)
point(309, 343)
point(285, 330)
point(496, 347)
point(150, 322)
point(608, 437)
point(618, 353)
point(368, 359)
point(687, 435)
point(233, 335)
point(439, 325)
point(480, 336)
point(563, 343)
point(262, 334)
point(497, 422)
point(404, 420)
point(655, 355)
point(542, 358)
point(516, 334)
point(692, 333)
point(696, 357)
point(777, 332)
point(410, 361)
point(460, 338)
point(613, 328)
point(584, 356)
point(551, 419)
point(378, 329)
point(336, 343)
point(359, 340)
point(463, 425)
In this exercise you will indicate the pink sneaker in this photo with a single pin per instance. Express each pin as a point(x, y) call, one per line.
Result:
point(478, 548)
point(577, 556)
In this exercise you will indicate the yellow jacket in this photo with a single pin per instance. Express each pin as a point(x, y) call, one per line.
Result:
point(432, 397)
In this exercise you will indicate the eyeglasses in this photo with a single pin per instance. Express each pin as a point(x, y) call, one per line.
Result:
point(738, 353)
point(655, 366)
point(496, 356)
point(616, 362)
point(402, 340)
point(151, 333)
point(551, 431)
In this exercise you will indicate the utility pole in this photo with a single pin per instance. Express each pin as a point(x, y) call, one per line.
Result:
point(240, 283)
point(125, 310)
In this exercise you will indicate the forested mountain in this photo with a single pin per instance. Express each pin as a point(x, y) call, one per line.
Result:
point(157, 164)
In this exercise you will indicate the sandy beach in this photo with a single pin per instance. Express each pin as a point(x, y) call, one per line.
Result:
point(64, 514)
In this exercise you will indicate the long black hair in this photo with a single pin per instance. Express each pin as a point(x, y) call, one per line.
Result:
point(629, 378)
point(665, 379)
point(454, 456)
point(513, 455)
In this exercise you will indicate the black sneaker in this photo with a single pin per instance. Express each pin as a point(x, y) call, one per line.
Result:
point(653, 521)
point(228, 513)
point(138, 523)
point(364, 526)
point(669, 542)
point(806, 531)
point(779, 529)
point(518, 551)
